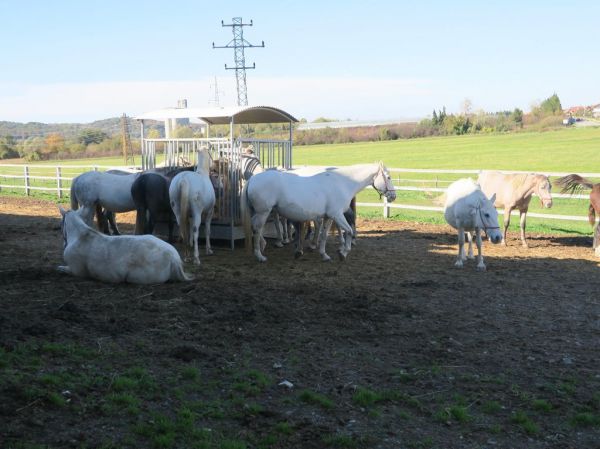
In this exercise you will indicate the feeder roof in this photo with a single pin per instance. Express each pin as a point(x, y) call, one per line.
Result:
point(223, 115)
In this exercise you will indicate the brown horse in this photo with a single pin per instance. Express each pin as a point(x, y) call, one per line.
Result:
point(514, 191)
point(573, 183)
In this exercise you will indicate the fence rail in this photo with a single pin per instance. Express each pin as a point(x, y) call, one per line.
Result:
point(60, 180)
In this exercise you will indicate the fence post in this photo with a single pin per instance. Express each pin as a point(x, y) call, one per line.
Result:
point(26, 179)
point(95, 168)
point(386, 208)
point(58, 182)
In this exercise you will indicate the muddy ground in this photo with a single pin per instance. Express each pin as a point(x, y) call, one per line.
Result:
point(394, 348)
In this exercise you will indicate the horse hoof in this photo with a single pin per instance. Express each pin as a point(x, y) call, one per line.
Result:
point(325, 258)
point(458, 264)
point(342, 256)
point(209, 252)
point(262, 259)
point(279, 244)
point(298, 254)
point(197, 262)
point(481, 267)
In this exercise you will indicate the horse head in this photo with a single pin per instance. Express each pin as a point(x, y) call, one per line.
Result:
point(383, 183)
point(486, 218)
point(543, 191)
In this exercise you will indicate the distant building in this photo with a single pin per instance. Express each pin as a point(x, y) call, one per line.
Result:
point(596, 111)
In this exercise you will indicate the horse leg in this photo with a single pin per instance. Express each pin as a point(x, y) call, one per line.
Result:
point(322, 239)
point(278, 226)
point(596, 235)
point(315, 234)
point(196, 222)
point(87, 215)
point(523, 222)
point(470, 240)
point(171, 226)
point(207, 222)
point(346, 244)
point(101, 217)
point(461, 248)
point(480, 264)
point(258, 223)
point(112, 221)
point(507, 212)
point(299, 239)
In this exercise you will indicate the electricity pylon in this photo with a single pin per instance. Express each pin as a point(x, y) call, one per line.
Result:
point(238, 44)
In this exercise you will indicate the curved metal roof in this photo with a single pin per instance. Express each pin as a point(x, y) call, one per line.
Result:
point(223, 115)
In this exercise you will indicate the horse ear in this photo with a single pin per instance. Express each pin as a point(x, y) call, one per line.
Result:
point(62, 211)
point(493, 198)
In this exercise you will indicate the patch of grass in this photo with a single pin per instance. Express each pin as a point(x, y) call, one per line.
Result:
point(310, 397)
point(284, 428)
point(520, 418)
point(366, 398)
point(340, 441)
point(251, 383)
point(232, 444)
point(585, 419)
point(425, 443)
point(454, 412)
point(491, 407)
point(541, 405)
point(122, 401)
point(190, 373)
point(56, 399)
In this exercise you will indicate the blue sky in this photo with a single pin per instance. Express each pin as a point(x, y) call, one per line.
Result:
point(85, 60)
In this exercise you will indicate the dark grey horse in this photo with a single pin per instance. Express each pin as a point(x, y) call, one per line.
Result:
point(150, 193)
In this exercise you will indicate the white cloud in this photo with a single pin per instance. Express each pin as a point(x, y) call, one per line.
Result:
point(357, 98)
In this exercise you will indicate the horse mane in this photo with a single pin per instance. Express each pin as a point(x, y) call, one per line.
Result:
point(573, 183)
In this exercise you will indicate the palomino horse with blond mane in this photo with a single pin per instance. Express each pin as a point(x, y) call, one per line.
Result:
point(573, 183)
point(192, 195)
point(514, 191)
point(324, 195)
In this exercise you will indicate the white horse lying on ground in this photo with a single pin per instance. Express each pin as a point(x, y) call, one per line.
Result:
point(468, 209)
point(139, 259)
point(192, 195)
point(324, 195)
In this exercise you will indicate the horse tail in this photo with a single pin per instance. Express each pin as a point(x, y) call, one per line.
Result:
point(245, 210)
point(184, 211)
point(74, 201)
point(573, 183)
point(592, 214)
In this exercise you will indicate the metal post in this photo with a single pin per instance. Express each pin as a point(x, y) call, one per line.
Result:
point(58, 182)
point(26, 180)
point(386, 208)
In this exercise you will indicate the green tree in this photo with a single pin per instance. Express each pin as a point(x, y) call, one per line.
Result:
point(8, 148)
point(517, 117)
point(551, 106)
point(91, 135)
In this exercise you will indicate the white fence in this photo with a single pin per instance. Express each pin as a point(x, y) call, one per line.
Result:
point(58, 178)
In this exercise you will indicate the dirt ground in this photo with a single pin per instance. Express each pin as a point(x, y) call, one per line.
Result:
point(394, 348)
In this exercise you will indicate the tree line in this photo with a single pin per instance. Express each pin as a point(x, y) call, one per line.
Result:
point(66, 141)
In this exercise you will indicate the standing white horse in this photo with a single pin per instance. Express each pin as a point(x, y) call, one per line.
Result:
point(468, 209)
point(94, 190)
point(192, 195)
point(324, 195)
point(139, 259)
point(514, 191)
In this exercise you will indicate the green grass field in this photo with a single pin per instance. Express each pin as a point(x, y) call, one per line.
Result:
point(575, 150)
